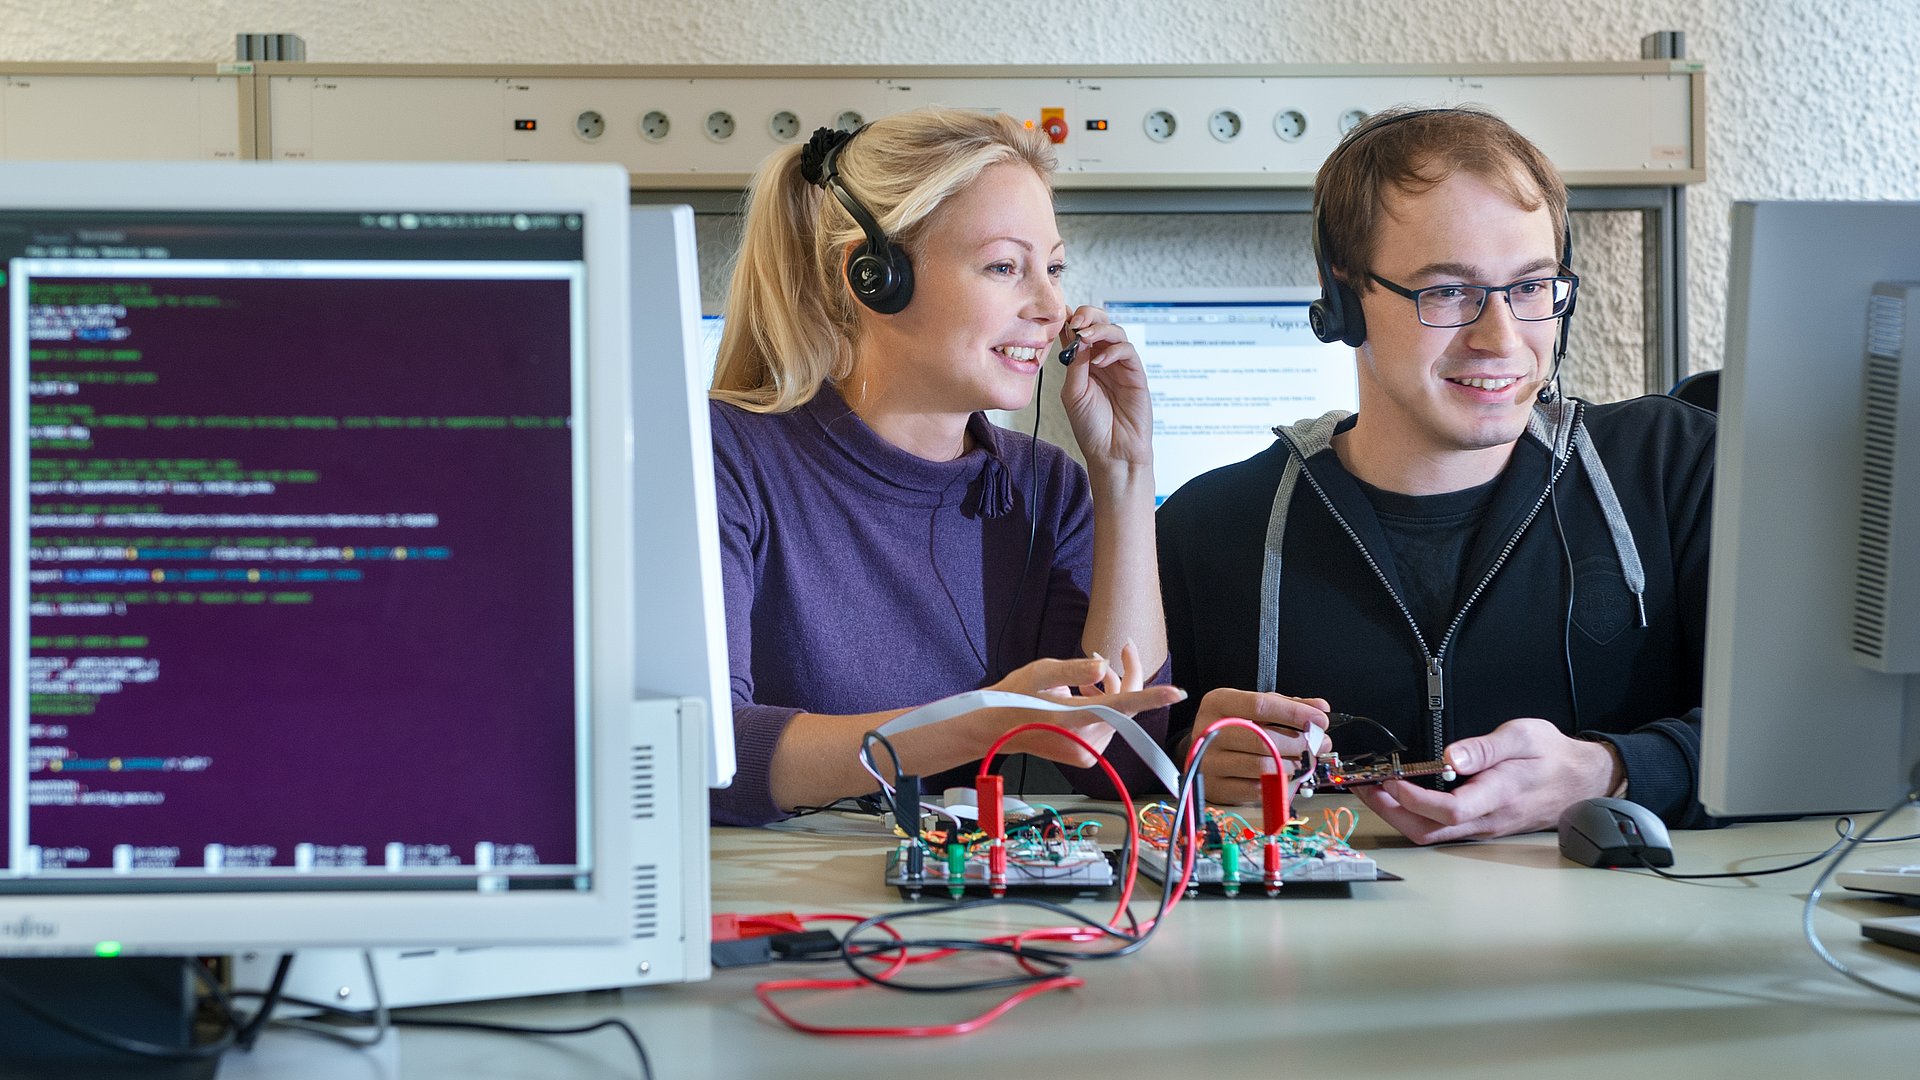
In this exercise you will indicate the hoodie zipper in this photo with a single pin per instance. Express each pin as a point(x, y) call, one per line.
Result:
point(1434, 660)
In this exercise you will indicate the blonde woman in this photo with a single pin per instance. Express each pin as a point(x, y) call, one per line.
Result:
point(883, 544)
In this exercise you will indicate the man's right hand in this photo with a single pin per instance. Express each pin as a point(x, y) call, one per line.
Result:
point(1238, 757)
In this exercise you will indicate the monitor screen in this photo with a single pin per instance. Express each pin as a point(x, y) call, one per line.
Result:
point(1795, 722)
point(1225, 367)
point(319, 562)
point(712, 328)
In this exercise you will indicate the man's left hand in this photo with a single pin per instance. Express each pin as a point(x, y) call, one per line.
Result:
point(1524, 773)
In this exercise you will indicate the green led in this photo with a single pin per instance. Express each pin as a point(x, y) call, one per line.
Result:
point(107, 949)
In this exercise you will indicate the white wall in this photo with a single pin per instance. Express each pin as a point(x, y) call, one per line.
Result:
point(1806, 99)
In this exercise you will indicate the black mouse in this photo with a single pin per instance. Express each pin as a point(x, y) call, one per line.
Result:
point(1613, 832)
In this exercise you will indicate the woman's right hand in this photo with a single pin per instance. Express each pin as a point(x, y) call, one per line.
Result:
point(1099, 682)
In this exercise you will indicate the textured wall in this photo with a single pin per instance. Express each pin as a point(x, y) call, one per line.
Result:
point(1806, 100)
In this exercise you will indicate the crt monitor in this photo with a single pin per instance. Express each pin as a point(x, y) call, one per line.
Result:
point(1226, 366)
point(1811, 701)
point(320, 567)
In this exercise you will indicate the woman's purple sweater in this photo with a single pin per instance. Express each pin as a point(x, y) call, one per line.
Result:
point(860, 577)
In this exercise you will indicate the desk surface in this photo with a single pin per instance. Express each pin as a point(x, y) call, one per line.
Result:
point(1493, 959)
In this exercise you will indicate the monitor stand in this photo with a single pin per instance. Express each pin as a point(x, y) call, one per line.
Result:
point(148, 998)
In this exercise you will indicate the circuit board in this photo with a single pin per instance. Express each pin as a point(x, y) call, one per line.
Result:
point(1071, 866)
point(1209, 870)
point(1231, 860)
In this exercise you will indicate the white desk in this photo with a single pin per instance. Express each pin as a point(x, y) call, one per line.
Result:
point(1495, 959)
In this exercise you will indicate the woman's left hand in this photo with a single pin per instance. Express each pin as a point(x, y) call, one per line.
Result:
point(1105, 392)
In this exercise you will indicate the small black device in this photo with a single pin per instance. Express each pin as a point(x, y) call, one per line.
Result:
point(1614, 832)
point(879, 272)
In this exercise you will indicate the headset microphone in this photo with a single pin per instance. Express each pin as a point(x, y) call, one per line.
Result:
point(1550, 393)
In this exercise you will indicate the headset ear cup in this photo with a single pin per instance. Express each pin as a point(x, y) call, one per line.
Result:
point(881, 281)
point(1324, 318)
point(1353, 320)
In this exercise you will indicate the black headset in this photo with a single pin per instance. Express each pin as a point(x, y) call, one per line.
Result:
point(879, 273)
point(1337, 315)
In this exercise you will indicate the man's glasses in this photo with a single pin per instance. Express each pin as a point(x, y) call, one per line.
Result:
point(1447, 306)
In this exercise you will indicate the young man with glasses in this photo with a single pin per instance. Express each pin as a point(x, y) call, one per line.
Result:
point(1503, 579)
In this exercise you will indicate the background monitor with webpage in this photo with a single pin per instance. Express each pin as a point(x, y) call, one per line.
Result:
point(1225, 366)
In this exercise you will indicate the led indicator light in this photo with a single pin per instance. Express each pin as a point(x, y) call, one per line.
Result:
point(107, 949)
point(1096, 125)
point(526, 125)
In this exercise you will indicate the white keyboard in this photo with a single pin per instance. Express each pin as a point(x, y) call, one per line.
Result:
point(1899, 880)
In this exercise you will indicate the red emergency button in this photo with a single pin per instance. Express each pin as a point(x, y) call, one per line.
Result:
point(1054, 123)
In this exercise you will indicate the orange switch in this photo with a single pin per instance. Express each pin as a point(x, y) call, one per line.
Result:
point(1054, 123)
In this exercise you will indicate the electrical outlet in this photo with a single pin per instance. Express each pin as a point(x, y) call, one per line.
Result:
point(1161, 125)
point(784, 126)
point(1225, 125)
point(1351, 119)
point(849, 120)
point(590, 125)
point(1290, 125)
point(655, 125)
point(720, 125)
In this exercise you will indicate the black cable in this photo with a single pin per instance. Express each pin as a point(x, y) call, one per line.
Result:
point(1033, 537)
point(1842, 825)
point(1566, 624)
point(1057, 961)
point(1813, 902)
point(137, 1047)
point(382, 1019)
point(867, 805)
point(1339, 720)
point(866, 754)
point(250, 1032)
point(639, 1048)
point(1033, 529)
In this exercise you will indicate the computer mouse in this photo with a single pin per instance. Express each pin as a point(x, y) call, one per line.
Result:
point(1614, 832)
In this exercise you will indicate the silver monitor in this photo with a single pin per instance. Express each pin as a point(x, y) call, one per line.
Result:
point(1801, 715)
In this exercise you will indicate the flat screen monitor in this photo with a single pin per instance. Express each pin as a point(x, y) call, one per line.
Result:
point(1226, 366)
point(320, 574)
point(1805, 712)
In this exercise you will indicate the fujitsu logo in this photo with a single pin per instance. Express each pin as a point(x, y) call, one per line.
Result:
point(27, 928)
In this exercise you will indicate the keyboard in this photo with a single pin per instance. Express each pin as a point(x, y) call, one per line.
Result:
point(1898, 880)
